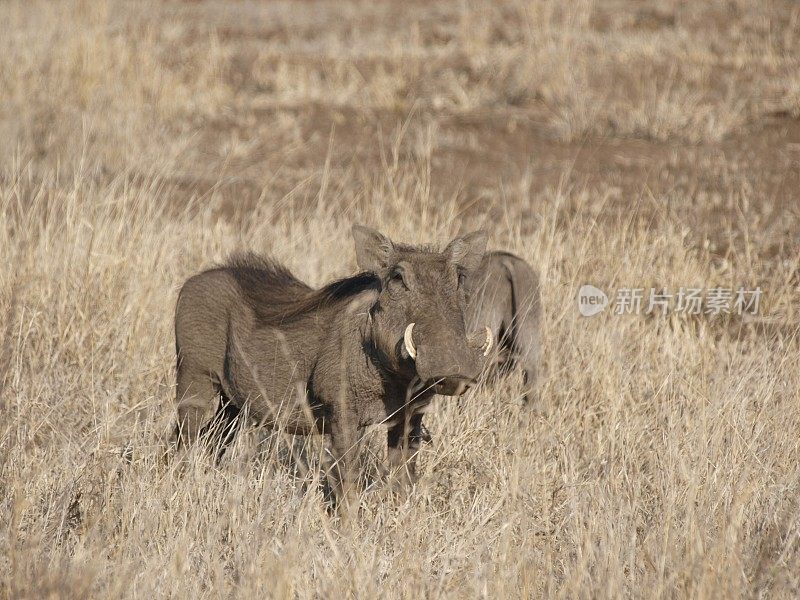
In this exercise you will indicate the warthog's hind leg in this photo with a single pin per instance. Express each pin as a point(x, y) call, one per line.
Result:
point(197, 399)
point(221, 431)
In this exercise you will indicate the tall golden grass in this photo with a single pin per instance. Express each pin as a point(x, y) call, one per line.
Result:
point(145, 141)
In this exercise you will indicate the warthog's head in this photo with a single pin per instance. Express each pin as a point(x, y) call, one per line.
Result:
point(418, 320)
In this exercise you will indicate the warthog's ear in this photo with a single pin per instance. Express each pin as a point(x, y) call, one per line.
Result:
point(467, 251)
point(373, 249)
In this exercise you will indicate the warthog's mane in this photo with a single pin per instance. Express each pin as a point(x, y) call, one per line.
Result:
point(278, 297)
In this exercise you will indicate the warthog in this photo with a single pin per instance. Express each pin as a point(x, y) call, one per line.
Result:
point(369, 349)
point(504, 295)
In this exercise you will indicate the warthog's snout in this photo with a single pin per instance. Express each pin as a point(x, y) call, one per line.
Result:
point(451, 385)
point(447, 365)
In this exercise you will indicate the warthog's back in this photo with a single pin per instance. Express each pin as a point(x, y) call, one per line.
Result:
point(246, 292)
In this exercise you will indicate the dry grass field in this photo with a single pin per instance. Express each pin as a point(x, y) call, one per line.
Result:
point(622, 143)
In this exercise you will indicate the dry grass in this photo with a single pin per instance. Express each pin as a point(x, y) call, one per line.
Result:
point(144, 141)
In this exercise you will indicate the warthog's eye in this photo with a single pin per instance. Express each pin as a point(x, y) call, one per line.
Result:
point(462, 278)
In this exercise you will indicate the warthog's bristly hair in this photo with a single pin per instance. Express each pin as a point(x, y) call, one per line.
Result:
point(277, 296)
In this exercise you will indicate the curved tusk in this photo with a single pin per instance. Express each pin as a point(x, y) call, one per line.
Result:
point(409, 341)
point(487, 345)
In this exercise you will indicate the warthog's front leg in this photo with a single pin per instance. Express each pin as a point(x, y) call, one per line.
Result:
point(342, 452)
point(403, 442)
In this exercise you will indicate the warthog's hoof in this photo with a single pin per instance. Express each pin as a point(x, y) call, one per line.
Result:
point(421, 434)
